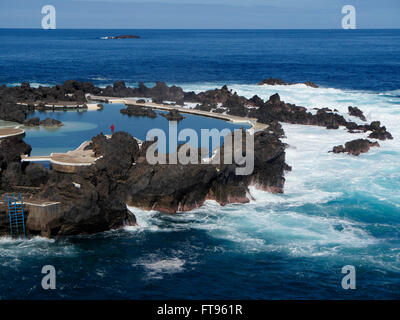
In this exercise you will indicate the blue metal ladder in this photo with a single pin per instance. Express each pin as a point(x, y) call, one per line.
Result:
point(16, 215)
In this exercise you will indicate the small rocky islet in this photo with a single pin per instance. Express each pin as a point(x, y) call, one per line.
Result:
point(94, 198)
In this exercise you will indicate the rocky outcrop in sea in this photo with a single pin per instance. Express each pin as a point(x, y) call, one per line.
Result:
point(355, 147)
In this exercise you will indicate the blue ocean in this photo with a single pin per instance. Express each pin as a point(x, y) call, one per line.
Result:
point(337, 210)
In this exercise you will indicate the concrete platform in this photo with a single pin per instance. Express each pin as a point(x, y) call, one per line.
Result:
point(10, 132)
point(68, 162)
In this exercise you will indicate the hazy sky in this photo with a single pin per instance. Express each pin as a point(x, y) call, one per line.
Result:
point(160, 14)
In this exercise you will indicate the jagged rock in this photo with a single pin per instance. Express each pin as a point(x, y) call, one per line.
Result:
point(118, 153)
point(172, 187)
point(235, 106)
point(95, 207)
point(173, 115)
point(311, 84)
point(378, 131)
point(49, 122)
point(99, 203)
point(354, 111)
point(27, 174)
point(11, 149)
point(138, 111)
point(33, 122)
point(355, 147)
point(12, 112)
point(274, 81)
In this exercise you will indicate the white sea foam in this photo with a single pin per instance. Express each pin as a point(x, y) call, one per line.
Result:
point(157, 265)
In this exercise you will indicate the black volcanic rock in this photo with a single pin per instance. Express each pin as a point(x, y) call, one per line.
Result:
point(28, 175)
point(89, 203)
point(138, 111)
point(12, 172)
point(11, 149)
point(173, 115)
point(378, 131)
point(92, 200)
point(118, 153)
point(128, 36)
point(355, 147)
point(174, 187)
point(356, 112)
point(274, 81)
point(49, 122)
point(235, 106)
point(12, 112)
point(33, 122)
point(311, 84)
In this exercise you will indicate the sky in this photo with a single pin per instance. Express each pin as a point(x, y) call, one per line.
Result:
point(200, 14)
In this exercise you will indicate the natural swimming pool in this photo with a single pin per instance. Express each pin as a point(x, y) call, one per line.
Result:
point(80, 126)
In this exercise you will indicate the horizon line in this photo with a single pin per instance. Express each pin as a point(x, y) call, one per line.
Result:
point(23, 28)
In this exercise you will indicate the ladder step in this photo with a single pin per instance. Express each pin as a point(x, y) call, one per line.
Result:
point(16, 214)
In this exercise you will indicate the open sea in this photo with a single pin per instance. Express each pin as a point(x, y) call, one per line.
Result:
point(337, 209)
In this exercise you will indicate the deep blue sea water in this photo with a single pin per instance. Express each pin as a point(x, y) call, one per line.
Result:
point(337, 210)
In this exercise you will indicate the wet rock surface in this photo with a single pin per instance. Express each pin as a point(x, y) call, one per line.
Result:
point(355, 147)
point(354, 111)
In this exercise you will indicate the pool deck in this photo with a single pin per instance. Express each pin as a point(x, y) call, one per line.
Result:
point(10, 132)
point(75, 158)
point(256, 126)
point(65, 105)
